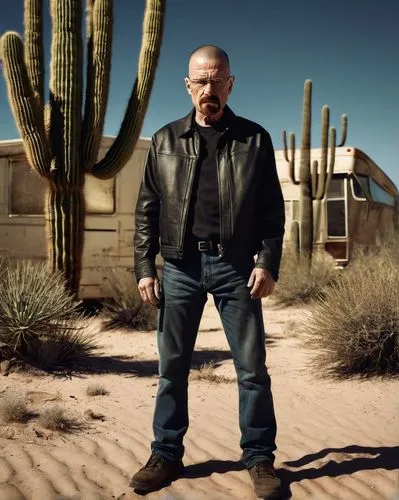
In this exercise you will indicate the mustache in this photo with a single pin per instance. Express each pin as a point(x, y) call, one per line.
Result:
point(210, 99)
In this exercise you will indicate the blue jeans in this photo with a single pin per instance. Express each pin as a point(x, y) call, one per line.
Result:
point(185, 286)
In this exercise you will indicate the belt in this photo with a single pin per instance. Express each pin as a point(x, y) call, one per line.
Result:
point(212, 245)
point(208, 246)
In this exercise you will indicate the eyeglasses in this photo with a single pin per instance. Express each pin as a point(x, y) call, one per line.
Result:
point(216, 82)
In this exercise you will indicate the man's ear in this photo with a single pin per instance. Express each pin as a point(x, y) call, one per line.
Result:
point(231, 82)
point(188, 85)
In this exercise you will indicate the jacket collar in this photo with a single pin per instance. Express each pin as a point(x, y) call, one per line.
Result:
point(188, 122)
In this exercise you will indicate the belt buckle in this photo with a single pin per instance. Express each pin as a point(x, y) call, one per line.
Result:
point(204, 246)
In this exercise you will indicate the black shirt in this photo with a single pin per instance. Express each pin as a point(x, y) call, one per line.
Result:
point(205, 215)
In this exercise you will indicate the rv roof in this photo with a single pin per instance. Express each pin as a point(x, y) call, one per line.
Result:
point(344, 163)
point(14, 147)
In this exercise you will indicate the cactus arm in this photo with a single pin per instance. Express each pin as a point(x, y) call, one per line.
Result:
point(124, 144)
point(306, 124)
point(99, 29)
point(316, 205)
point(321, 182)
point(290, 159)
point(66, 91)
point(344, 128)
point(332, 140)
point(285, 148)
point(318, 201)
point(88, 109)
point(23, 103)
point(292, 164)
point(314, 177)
point(34, 48)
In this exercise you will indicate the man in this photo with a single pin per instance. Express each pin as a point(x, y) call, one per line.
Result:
point(210, 200)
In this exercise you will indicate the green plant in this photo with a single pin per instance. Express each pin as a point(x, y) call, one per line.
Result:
point(39, 319)
point(68, 345)
point(60, 144)
point(313, 180)
point(125, 308)
point(354, 328)
point(300, 284)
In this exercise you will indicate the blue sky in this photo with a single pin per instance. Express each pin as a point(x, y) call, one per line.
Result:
point(348, 48)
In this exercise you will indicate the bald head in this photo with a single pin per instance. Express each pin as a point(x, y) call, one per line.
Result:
point(209, 53)
point(209, 82)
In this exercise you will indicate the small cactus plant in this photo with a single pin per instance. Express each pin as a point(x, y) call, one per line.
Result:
point(61, 144)
point(313, 181)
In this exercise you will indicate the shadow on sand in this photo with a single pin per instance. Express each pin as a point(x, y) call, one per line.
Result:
point(126, 365)
point(381, 457)
point(149, 368)
point(205, 469)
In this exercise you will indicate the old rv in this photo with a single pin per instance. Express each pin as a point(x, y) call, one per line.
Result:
point(360, 206)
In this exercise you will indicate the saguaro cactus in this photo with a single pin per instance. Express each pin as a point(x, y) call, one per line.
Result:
point(60, 143)
point(313, 181)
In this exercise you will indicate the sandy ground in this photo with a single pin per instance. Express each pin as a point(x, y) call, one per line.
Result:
point(336, 440)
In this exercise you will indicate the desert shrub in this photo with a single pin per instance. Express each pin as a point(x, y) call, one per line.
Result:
point(297, 283)
point(206, 373)
point(13, 408)
point(354, 327)
point(2, 267)
point(69, 344)
point(39, 320)
point(384, 251)
point(125, 309)
point(96, 390)
point(56, 419)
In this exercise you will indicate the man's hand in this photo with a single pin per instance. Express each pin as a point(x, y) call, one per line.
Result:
point(150, 290)
point(262, 283)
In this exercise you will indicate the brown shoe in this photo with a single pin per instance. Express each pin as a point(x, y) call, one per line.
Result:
point(266, 484)
point(156, 473)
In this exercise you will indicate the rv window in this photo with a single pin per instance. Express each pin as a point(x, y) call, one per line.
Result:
point(336, 218)
point(336, 189)
point(364, 182)
point(380, 195)
point(359, 186)
point(27, 192)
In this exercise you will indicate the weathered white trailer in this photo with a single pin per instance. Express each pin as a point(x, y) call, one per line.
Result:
point(109, 225)
point(361, 206)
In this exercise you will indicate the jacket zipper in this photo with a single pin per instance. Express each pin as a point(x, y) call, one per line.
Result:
point(186, 202)
point(221, 249)
point(228, 207)
point(188, 194)
point(221, 246)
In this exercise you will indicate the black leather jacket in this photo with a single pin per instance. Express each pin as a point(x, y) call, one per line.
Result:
point(250, 199)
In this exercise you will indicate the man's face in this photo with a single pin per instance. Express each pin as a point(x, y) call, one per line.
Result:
point(209, 83)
